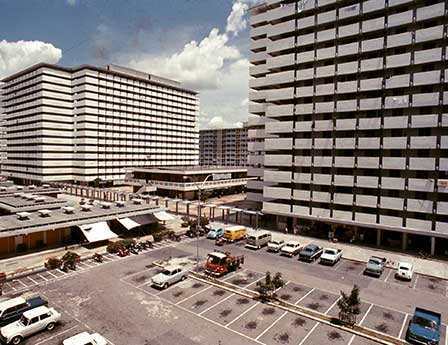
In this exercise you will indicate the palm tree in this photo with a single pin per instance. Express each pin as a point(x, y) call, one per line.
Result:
point(349, 306)
point(267, 288)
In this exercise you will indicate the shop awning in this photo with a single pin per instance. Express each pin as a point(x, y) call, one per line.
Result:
point(135, 221)
point(97, 232)
point(162, 215)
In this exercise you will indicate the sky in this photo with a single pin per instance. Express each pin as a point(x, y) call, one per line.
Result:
point(204, 44)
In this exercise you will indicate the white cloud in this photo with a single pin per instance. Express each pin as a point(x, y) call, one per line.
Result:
point(15, 56)
point(236, 21)
point(71, 2)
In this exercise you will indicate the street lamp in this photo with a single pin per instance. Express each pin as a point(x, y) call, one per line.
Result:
point(199, 186)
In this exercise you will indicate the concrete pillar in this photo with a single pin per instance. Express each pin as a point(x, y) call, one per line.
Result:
point(210, 213)
point(404, 242)
point(188, 209)
point(177, 207)
point(223, 218)
point(277, 225)
point(433, 246)
point(166, 203)
point(378, 237)
point(227, 216)
point(157, 202)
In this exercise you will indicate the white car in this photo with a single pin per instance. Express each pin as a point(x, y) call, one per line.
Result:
point(331, 256)
point(291, 248)
point(405, 271)
point(85, 338)
point(31, 322)
point(170, 275)
point(275, 245)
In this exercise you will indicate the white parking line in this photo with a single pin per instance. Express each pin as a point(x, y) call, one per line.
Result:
point(388, 275)
point(351, 340)
point(272, 325)
point(305, 296)
point(193, 295)
point(40, 275)
point(56, 335)
point(244, 313)
point(331, 307)
point(32, 280)
point(311, 331)
point(216, 304)
point(365, 315)
point(85, 263)
point(11, 286)
point(446, 335)
point(402, 325)
point(54, 275)
point(415, 283)
point(18, 280)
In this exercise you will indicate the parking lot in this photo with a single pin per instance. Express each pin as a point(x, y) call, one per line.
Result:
point(116, 299)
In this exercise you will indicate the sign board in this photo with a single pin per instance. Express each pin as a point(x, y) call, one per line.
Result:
point(442, 183)
point(219, 177)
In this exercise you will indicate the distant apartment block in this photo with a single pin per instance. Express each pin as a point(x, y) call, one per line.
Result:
point(83, 123)
point(223, 147)
point(350, 114)
point(2, 131)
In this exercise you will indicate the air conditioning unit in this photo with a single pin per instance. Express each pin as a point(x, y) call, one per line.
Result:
point(86, 207)
point(68, 209)
point(44, 213)
point(120, 203)
point(23, 215)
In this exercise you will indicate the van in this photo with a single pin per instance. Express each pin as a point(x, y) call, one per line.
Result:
point(258, 239)
point(234, 233)
point(215, 233)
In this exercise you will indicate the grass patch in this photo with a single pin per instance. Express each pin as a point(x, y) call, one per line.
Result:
point(225, 312)
point(140, 279)
point(324, 297)
point(388, 315)
point(431, 287)
point(334, 335)
point(297, 289)
point(219, 293)
point(196, 285)
point(434, 280)
point(285, 297)
point(178, 293)
point(200, 302)
point(313, 306)
point(268, 311)
point(382, 327)
point(250, 275)
point(299, 322)
point(351, 268)
point(251, 325)
point(283, 338)
point(242, 300)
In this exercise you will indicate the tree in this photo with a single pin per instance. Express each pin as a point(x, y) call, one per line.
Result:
point(349, 306)
point(267, 288)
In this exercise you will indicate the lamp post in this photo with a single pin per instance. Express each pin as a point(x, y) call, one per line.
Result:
point(199, 186)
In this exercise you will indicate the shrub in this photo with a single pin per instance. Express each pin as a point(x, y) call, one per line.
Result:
point(52, 263)
point(113, 246)
point(158, 236)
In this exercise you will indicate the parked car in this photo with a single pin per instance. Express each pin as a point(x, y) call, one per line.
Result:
point(424, 327)
point(85, 338)
point(275, 245)
point(331, 256)
point(405, 271)
point(169, 276)
point(31, 322)
point(375, 266)
point(215, 233)
point(12, 309)
point(291, 248)
point(258, 239)
point(310, 253)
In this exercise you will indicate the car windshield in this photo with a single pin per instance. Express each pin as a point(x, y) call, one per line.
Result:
point(276, 242)
point(404, 268)
point(23, 320)
point(431, 324)
point(251, 237)
point(374, 261)
point(308, 249)
point(292, 245)
point(167, 272)
point(329, 251)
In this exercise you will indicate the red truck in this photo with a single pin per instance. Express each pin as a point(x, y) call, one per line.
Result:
point(219, 263)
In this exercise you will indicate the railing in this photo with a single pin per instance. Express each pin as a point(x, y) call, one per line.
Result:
point(193, 185)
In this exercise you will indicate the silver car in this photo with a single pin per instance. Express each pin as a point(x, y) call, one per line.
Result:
point(169, 276)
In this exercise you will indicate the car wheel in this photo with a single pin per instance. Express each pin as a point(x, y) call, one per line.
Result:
point(51, 326)
point(16, 340)
point(184, 277)
point(165, 286)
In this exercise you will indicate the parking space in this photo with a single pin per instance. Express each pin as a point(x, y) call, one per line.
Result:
point(206, 300)
point(350, 267)
point(408, 283)
point(180, 291)
point(432, 285)
point(386, 321)
point(293, 292)
point(319, 300)
point(324, 334)
point(244, 278)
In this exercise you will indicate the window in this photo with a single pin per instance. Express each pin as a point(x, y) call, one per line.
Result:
point(45, 316)
point(34, 320)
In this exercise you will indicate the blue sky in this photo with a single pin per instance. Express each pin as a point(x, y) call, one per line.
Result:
point(202, 43)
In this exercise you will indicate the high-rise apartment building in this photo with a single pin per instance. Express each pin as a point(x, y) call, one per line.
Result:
point(80, 124)
point(223, 146)
point(351, 113)
point(2, 131)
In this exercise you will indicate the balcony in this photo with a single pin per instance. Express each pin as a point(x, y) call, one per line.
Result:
point(349, 11)
point(277, 160)
point(255, 96)
point(424, 142)
point(302, 143)
point(281, 28)
point(258, 18)
point(367, 181)
point(321, 197)
point(302, 195)
point(280, 94)
point(257, 108)
point(366, 200)
point(396, 183)
point(348, 49)
point(259, 31)
point(427, 164)
point(320, 212)
point(276, 193)
point(369, 123)
point(422, 185)
point(391, 221)
point(277, 176)
point(258, 44)
point(397, 81)
point(394, 143)
point(344, 162)
point(393, 102)
point(258, 57)
point(398, 19)
point(344, 199)
point(281, 12)
point(373, 5)
point(303, 126)
point(323, 143)
point(276, 144)
point(278, 127)
point(398, 163)
point(281, 44)
point(326, 17)
point(399, 40)
point(345, 143)
point(280, 110)
point(322, 179)
point(396, 122)
point(393, 61)
point(429, 55)
point(258, 70)
point(322, 161)
point(273, 79)
point(281, 61)
point(425, 99)
point(418, 224)
point(302, 178)
point(256, 83)
point(255, 146)
point(368, 162)
point(349, 30)
point(429, 34)
point(430, 12)
point(326, 35)
point(371, 84)
point(275, 207)
point(347, 87)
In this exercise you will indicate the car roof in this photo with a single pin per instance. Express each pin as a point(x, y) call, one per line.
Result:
point(405, 264)
point(312, 246)
point(172, 267)
point(258, 232)
point(218, 254)
point(82, 338)
point(11, 303)
point(293, 242)
point(36, 312)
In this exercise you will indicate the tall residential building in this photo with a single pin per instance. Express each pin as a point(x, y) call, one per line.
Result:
point(2, 131)
point(83, 123)
point(351, 113)
point(223, 147)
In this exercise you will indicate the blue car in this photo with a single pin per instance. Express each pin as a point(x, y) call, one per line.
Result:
point(215, 233)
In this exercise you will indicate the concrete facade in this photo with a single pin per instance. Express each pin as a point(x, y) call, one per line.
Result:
point(223, 147)
point(2, 131)
point(350, 113)
point(80, 124)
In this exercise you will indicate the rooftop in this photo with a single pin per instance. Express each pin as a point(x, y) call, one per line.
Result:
point(20, 202)
point(193, 170)
point(11, 225)
point(11, 190)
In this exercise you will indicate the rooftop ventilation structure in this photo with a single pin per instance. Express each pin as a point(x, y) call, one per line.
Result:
point(68, 209)
point(120, 203)
point(105, 204)
point(23, 215)
point(86, 208)
point(137, 201)
point(44, 213)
